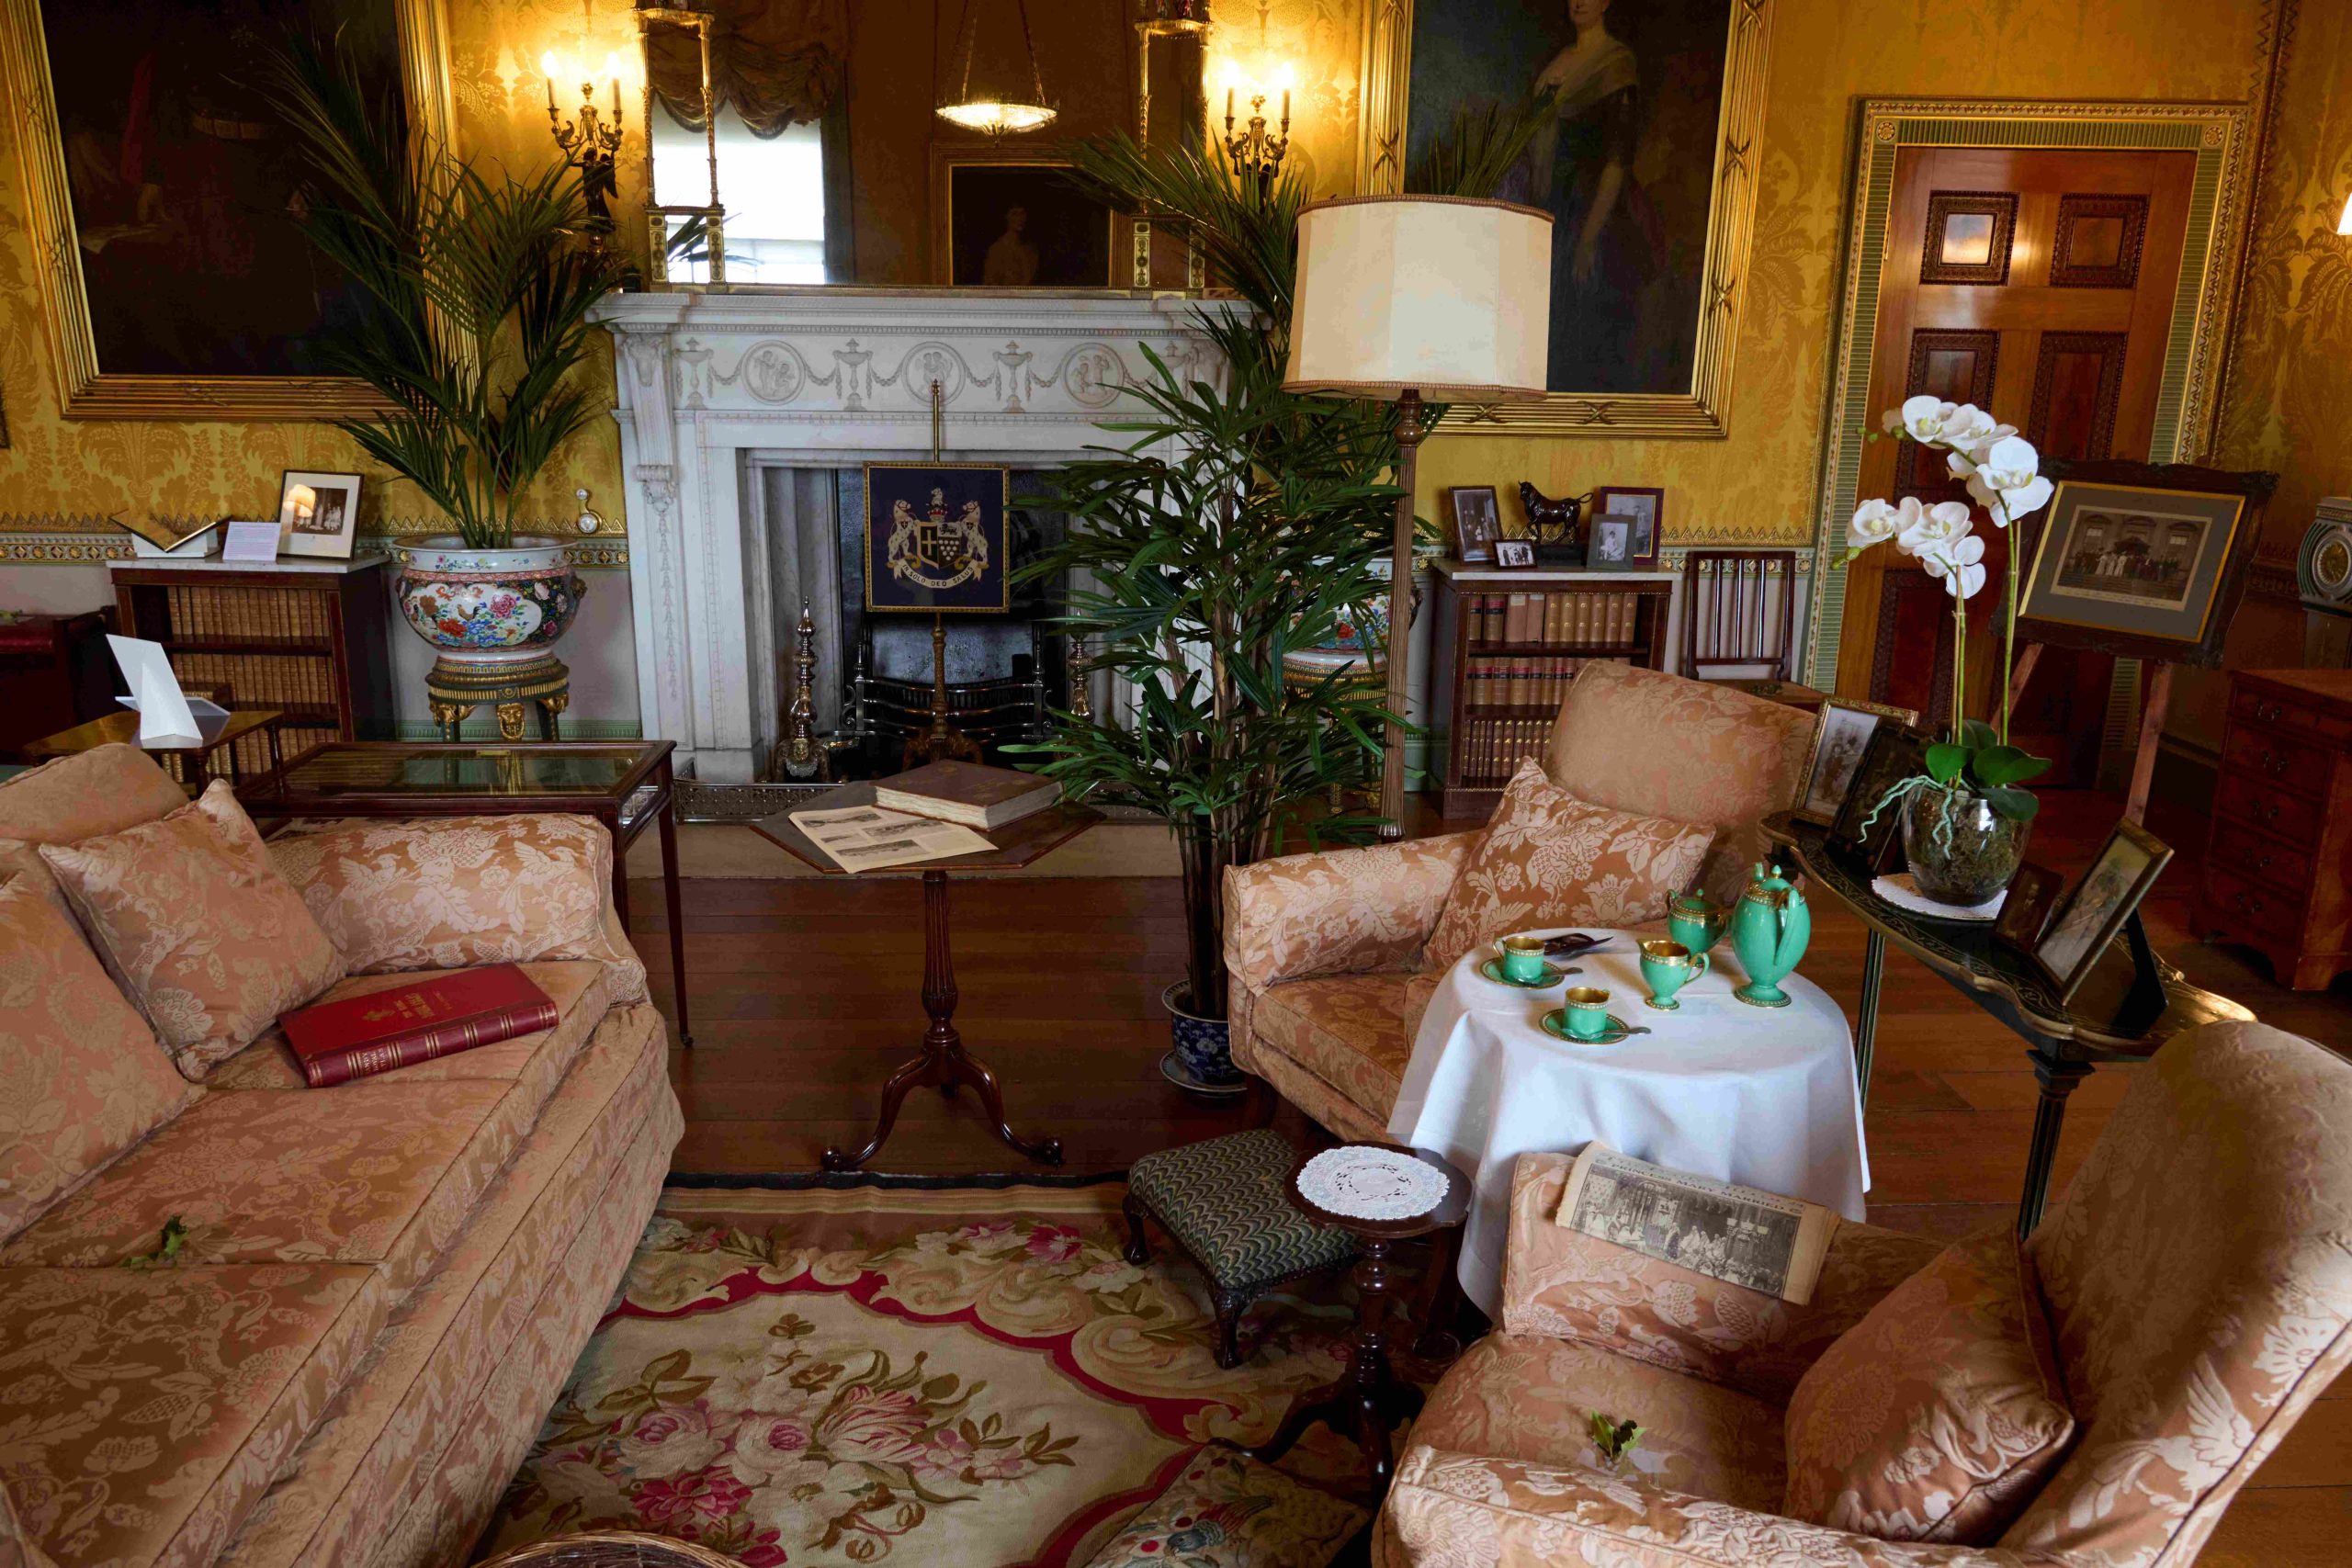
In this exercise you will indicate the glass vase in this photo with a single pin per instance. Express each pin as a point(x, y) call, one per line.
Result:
point(1961, 850)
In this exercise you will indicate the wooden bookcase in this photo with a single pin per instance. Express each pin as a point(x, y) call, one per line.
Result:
point(1500, 674)
point(306, 637)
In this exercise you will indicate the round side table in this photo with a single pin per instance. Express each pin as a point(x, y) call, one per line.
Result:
point(1368, 1401)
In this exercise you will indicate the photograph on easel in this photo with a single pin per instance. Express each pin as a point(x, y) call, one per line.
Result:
point(935, 538)
point(2132, 560)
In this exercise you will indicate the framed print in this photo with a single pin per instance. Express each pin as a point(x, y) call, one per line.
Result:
point(1842, 734)
point(1895, 752)
point(2025, 909)
point(1006, 222)
point(2087, 918)
point(1608, 546)
point(317, 513)
point(935, 538)
point(1477, 523)
point(1652, 203)
point(2146, 570)
point(158, 183)
point(1646, 505)
point(1515, 555)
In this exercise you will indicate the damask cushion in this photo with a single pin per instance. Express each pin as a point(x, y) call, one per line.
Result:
point(210, 941)
point(1347, 1029)
point(1227, 1510)
point(1939, 1416)
point(1551, 859)
point(463, 891)
point(81, 1077)
point(1693, 751)
point(103, 790)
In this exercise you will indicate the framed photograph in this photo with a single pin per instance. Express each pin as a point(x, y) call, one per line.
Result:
point(1477, 522)
point(1895, 752)
point(1646, 505)
point(1006, 222)
point(1608, 546)
point(1842, 734)
point(1649, 221)
point(317, 513)
point(2087, 918)
point(1515, 555)
point(2142, 571)
point(935, 538)
point(2033, 893)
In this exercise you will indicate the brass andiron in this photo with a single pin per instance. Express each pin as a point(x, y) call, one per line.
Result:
point(797, 755)
point(1081, 702)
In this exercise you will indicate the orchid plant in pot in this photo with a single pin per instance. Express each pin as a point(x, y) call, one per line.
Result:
point(1966, 819)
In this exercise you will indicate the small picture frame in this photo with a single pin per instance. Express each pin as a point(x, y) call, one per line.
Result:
point(1841, 739)
point(1608, 546)
point(1646, 506)
point(1896, 753)
point(2090, 914)
point(1477, 522)
point(2025, 909)
point(1515, 555)
point(317, 513)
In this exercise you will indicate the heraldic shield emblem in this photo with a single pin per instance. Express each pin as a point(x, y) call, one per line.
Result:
point(935, 538)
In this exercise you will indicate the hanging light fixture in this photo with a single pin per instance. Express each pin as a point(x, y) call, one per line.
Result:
point(1000, 105)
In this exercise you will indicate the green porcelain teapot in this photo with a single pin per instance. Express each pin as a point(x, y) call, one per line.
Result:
point(1768, 933)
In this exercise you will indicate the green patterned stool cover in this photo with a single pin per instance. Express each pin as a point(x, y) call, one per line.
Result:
point(1226, 1204)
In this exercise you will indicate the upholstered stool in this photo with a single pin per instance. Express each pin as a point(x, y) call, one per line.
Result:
point(1224, 1204)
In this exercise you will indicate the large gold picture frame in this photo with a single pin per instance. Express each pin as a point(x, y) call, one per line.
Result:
point(84, 390)
point(1704, 412)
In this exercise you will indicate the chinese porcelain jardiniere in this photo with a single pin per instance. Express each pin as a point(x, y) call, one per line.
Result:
point(487, 606)
point(1768, 933)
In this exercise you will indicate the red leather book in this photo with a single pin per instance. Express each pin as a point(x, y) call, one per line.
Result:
point(402, 1025)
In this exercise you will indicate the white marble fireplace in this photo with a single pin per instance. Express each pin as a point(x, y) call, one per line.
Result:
point(719, 390)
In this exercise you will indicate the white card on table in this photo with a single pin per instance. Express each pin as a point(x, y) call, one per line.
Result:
point(254, 543)
point(164, 716)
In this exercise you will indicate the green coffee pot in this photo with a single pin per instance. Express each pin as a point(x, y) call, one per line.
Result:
point(1768, 933)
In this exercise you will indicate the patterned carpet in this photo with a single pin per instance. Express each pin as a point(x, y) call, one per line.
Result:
point(955, 1376)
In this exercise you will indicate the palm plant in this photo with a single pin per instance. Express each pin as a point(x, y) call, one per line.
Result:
point(478, 293)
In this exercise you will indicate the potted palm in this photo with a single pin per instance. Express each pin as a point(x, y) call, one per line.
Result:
point(477, 292)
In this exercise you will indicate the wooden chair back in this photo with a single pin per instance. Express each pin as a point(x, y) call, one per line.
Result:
point(1739, 614)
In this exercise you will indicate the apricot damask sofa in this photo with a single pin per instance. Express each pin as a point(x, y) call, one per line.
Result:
point(1323, 952)
point(382, 1284)
point(2188, 1297)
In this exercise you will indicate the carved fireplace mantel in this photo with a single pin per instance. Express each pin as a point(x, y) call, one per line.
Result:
point(713, 383)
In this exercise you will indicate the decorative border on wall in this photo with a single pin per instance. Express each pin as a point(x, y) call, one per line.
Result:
point(1704, 411)
point(2221, 137)
point(72, 542)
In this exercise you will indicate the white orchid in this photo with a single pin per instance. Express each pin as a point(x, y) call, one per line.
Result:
point(2007, 479)
point(1958, 562)
point(1923, 419)
point(1875, 521)
point(1946, 522)
point(1969, 432)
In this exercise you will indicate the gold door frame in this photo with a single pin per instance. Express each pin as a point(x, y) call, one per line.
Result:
point(85, 391)
point(2211, 259)
point(1704, 412)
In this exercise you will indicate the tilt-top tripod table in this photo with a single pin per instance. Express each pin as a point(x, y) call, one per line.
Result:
point(942, 1063)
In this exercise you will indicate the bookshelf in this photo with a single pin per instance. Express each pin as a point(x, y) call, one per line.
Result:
point(306, 637)
point(1507, 645)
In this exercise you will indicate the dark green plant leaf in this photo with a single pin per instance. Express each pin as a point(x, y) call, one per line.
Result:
point(1977, 734)
point(1998, 765)
point(1945, 762)
point(2017, 805)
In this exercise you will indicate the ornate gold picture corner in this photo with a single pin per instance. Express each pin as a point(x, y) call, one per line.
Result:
point(155, 304)
point(1644, 328)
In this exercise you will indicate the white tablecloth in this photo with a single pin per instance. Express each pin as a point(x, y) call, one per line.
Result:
point(1760, 1096)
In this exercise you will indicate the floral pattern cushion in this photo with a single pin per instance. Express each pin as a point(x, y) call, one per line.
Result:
point(1939, 1416)
point(103, 790)
point(1227, 1510)
point(81, 1077)
point(1550, 859)
point(209, 940)
point(1347, 1029)
point(1693, 751)
point(463, 891)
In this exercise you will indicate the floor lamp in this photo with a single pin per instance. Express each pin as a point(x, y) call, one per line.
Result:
point(1403, 298)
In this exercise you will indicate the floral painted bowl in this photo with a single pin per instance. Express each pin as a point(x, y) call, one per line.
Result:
point(487, 606)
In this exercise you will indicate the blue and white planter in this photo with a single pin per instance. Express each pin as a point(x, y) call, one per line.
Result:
point(1203, 1045)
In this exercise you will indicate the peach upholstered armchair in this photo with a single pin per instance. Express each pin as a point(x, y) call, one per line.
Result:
point(2189, 1298)
point(1324, 950)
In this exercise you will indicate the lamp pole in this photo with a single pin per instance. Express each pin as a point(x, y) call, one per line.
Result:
point(1400, 616)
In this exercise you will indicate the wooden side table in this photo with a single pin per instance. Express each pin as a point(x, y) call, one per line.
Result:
point(191, 764)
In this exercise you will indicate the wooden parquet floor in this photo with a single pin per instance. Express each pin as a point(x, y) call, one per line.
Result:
point(804, 996)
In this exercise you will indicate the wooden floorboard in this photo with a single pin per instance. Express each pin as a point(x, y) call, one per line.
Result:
point(804, 996)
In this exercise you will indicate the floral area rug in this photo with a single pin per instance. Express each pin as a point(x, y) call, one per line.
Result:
point(963, 1377)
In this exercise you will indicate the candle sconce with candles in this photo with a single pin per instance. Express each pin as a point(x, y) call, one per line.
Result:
point(1254, 152)
point(589, 142)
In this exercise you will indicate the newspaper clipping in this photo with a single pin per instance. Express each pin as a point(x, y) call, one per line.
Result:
point(1758, 1240)
point(867, 837)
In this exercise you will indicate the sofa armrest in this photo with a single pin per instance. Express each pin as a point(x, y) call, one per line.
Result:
point(1338, 911)
point(1571, 1286)
point(1460, 1510)
point(449, 893)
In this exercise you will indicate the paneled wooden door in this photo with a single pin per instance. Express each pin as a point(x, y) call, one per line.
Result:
point(2039, 285)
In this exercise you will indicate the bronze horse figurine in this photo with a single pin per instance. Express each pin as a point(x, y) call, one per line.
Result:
point(1553, 525)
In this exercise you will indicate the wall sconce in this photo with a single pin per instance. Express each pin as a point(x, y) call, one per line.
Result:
point(588, 143)
point(1254, 151)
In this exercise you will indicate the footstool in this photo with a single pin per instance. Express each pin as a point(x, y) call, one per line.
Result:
point(1226, 1205)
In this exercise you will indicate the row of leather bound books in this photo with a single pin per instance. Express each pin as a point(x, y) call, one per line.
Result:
point(205, 613)
point(1516, 619)
point(1529, 680)
point(1490, 750)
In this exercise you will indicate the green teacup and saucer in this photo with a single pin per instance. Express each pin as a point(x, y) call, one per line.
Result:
point(1518, 960)
point(1587, 1021)
point(1668, 966)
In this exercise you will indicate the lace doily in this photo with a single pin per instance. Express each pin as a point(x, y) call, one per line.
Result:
point(1371, 1184)
point(1899, 891)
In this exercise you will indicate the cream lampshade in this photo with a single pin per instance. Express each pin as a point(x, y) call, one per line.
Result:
point(1402, 298)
